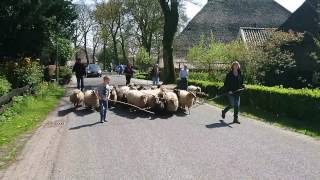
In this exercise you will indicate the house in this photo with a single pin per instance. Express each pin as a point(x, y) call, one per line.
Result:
point(253, 18)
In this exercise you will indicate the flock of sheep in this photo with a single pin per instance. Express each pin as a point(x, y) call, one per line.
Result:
point(156, 99)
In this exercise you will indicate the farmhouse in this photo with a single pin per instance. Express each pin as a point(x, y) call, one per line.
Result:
point(251, 20)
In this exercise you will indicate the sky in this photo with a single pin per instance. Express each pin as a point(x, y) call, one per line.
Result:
point(193, 8)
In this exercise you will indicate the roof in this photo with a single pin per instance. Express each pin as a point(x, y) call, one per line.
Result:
point(255, 37)
point(225, 17)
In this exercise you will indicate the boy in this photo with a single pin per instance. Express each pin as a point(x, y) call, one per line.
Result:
point(103, 93)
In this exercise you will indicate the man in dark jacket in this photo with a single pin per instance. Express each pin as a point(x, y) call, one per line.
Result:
point(232, 85)
point(128, 71)
point(80, 71)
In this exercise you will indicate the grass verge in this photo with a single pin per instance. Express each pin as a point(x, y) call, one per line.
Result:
point(25, 115)
point(278, 121)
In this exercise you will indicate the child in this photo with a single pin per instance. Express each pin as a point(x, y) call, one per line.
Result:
point(103, 93)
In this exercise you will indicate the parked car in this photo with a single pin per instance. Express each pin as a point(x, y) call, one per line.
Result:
point(93, 70)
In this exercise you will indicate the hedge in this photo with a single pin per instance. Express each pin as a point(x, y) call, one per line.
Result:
point(300, 104)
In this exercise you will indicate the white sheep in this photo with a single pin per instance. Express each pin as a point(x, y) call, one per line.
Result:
point(172, 102)
point(77, 97)
point(113, 96)
point(91, 99)
point(137, 98)
point(186, 99)
point(153, 101)
point(194, 89)
point(122, 92)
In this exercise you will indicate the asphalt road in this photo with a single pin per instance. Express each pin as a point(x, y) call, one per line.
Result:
point(71, 144)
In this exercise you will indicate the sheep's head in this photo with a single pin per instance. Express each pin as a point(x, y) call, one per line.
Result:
point(144, 99)
point(177, 91)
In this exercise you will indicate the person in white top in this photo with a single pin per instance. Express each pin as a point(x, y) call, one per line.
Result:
point(103, 93)
point(184, 73)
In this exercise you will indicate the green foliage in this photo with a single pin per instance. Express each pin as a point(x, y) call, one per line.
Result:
point(205, 76)
point(27, 26)
point(300, 104)
point(142, 75)
point(65, 50)
point(26, 113)
point(25, 72)
point(143, 60)
point(5, 86)
point(65, 75)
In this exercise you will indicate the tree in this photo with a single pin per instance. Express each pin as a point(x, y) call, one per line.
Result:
point(143, 60)
point(26, 26)
point(171, 19)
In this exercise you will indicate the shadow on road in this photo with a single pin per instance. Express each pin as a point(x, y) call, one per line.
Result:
point(84, 112)
point(219, 125)
point(130, 115)
point(84, 125)
point(66, 111)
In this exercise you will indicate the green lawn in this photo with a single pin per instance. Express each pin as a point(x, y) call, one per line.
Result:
point(26, 113)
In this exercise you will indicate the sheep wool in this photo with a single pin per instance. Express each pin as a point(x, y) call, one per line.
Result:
point(193, 88)
point(153, 97)
point(91, 99)
point(112, 96)
point(186, 99)
point(122, 92)
point(77, 97)
point(172, 102)
point(137, 98)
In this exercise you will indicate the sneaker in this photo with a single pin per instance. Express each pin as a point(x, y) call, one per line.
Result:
point(101, 121)
point(105, 120)
point(223, 115)
point(236, 121)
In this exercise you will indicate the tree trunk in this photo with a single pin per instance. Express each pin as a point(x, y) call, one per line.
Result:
point(115, 49)
point(104, 55)
point(171, 17)
point(123, 47)
point(85, 48)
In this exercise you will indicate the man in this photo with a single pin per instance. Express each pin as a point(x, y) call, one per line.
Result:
point(184, 73)
point(155, 74)
point(128, 71)
point(80, 71)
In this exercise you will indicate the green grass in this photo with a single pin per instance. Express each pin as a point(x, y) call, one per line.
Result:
point(26, 113)
point(310, 129)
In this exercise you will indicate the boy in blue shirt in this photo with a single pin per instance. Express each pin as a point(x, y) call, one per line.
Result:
point(103, 93)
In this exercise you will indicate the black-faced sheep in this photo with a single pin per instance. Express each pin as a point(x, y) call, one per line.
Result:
point(77, 97)
point(91, 99)
point(137, 98)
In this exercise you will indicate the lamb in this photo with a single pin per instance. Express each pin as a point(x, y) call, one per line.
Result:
point(194, 89)
point(171, 101)
point(186, 99)
point(137, 98)
point(76, 98)
point(91, 99)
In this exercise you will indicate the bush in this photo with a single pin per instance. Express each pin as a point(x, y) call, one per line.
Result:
point(142, 76)
point(25, 72)
point(301, 104)
point(65, 75)
point(5, 86)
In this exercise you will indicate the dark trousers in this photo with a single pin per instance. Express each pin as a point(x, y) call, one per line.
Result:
point(128, 79)
point(103, 109)
point(234, 102)
point(183, 84)
point(80, 82)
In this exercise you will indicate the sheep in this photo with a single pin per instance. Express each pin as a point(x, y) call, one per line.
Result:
point(194, 89)
point(137, 98)
point(171, 101)
point(154, 101)
point(186, 99)
point(122, 93)
point(91, 99)
point(76, 98)
point(112, 96)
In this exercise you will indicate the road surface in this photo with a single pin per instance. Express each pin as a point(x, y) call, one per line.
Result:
point(71, 144)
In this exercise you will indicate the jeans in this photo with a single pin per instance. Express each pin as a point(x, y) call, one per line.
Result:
point(80, 82)
point(103, 109)
point(155, 80)
point(234, 101)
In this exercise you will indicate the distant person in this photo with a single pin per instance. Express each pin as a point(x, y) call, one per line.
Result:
point(184, 73)
point(233, 85)
point(80, 70)
point(103, 93)
point(155, 74)
point(120, 69)
point(128, 71)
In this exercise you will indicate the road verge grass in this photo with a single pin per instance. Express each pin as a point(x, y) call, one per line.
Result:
point(25, 115)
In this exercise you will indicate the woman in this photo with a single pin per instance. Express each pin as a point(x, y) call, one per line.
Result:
point(155, 74)
point(128, 71)
point(233, 84)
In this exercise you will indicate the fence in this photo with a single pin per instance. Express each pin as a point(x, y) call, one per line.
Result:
point(8, 97)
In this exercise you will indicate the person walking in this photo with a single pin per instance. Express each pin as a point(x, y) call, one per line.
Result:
point(155, 74)
point(80, 71)
point(184, 73)
point(128, 71)
point(233, 85)
point(103, 94)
